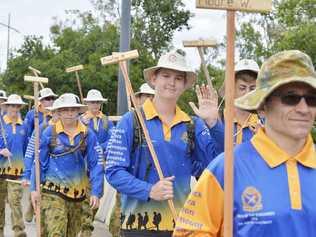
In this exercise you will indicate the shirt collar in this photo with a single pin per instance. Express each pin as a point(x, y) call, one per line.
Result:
point(252, 121)
point(275, 156)
point(151, 112)
point(80, 127)
point(8, 120)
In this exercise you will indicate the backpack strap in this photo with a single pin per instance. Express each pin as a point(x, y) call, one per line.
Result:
point(191, 135)
point(82, 145)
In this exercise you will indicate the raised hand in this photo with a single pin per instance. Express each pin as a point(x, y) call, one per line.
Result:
point(208, 104)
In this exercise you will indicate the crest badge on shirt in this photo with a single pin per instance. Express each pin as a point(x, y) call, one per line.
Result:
point(251, 200)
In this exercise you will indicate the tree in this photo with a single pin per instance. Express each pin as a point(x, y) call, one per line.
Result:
point(85, 37)
point(291, 25)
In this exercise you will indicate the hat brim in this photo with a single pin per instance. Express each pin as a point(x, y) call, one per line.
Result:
point(190, 75)
point(97, 100)
point(253, 101)
point(11, 103)
point(83, 108)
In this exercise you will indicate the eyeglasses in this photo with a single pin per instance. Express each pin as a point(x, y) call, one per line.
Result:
point(49, 98)
point(295, 99)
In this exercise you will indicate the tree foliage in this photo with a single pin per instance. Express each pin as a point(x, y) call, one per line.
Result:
point(85, 37)
point(291, 25)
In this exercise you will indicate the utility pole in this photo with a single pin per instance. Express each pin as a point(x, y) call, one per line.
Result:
point(8, 42)
point(8, 26)
point(125, 36)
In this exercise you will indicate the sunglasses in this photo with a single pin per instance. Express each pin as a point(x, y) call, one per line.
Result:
point(295, 99)
point(49, 98)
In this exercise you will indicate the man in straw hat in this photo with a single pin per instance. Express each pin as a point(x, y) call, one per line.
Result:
point(13, 142)
point(183, 144)
point(46, 98)
point(101, 126)
point(145, 92)
point(67, 150)
point(275, 172)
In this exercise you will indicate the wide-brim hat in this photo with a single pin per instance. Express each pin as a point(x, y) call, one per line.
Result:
point(282, 68)
point(69, 100)
point(145, 89)
point(3, 95)
point(174, 60)
point(46, 92)
point(247, 65)
point(95, 96)
point(14, 99)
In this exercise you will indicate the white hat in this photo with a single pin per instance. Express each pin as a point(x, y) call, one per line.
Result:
point(94, 95)
point(51, 108)
point(14, 99)
point(174, 60)
point(69, 100)
point(145, 89)
point(247, 65)
point(46, 92)
point(3, 95)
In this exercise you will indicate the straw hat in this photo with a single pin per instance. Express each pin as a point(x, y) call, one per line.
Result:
point(280, 69)
point(145, 89)
point(46, 92)
point(94, 95)
point(68, 100)
point(174, 60)
point(14, 99)
point(247, 65)
point(3, 95)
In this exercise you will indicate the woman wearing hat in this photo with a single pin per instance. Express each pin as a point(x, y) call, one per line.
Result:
point(145, 92)
point(275, 172)
point(129, 166)
point(101, 126)
point(46, 98)
point(13, 142)
point(67, 150)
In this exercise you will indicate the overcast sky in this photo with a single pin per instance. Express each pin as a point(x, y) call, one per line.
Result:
point(34, 17)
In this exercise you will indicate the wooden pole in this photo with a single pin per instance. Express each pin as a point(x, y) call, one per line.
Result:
point(79, 86)
point(76, 69)
point(37, 166)
point(36, 73)
point(36, 80)
point(204, 68)
point(229, 116)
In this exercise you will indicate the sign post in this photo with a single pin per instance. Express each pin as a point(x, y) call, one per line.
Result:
point(231, 6)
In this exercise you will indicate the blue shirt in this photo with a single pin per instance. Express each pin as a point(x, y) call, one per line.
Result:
point(133, 173)
point(67, 175)
point(15, 141)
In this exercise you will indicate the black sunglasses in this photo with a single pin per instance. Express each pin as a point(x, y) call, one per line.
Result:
point(49, 98)
point(295, 99)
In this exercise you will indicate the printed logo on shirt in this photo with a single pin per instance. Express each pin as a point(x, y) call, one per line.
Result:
point(251, 200)
point(184, 137)
point(22, 132)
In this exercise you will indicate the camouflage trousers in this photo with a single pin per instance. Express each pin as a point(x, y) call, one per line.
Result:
point(59, 217)
point(13, 193)
point(115, 222)
point(88, 214)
